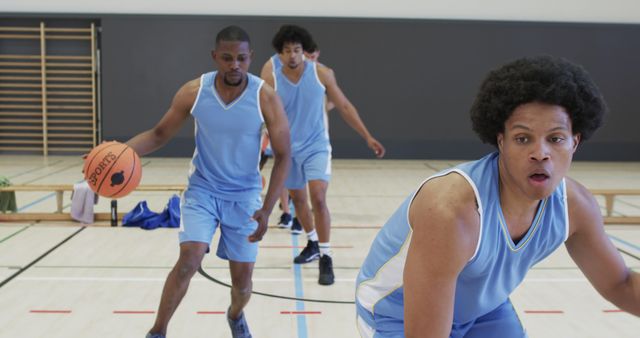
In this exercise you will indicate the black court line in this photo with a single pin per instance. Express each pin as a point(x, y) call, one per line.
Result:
point(205, 275)
point(41, 257)
point(628, 254)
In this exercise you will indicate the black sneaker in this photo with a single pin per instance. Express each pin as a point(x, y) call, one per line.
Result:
point(308, 254)
point(296, 227)
point(285, 221)
point(326, 271)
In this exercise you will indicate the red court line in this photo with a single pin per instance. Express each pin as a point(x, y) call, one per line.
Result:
point(302, 247)
point(50, 311)
point(210, 312)
point(128, 312)
point(300, 312)
point(544, 311)
point(612, 311)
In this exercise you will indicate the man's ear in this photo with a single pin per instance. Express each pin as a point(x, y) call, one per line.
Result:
point(500, 141)
point(576, 141)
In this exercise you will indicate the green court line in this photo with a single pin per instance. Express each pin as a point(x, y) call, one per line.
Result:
point(55, 172)
point(13, 234)
point(35, 169)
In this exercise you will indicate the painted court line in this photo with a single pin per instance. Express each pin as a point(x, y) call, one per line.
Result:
point(50, 311)
point(620, 240)
point(13, 234)
point(268, 280)
point(300, 312)
point(553, 312)
point(77, 165)
point(210, 312)
point(162, 279)
point(302, 247)
point(35, 169)
point(131, 312)
point(297, 271)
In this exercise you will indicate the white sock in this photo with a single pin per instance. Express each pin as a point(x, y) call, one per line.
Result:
point(325, 248)
point(312, 235)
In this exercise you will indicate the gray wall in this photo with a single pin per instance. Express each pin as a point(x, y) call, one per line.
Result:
point(413, 81)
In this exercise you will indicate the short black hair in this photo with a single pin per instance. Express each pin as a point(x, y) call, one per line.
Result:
point(313, 47)
point(544, 79)
point(232, 33)
point(292, 34)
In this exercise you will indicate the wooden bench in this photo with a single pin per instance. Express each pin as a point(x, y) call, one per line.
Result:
point(609, 197)
point(59, 190)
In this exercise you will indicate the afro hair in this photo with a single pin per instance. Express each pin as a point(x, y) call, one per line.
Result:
point(544, 79)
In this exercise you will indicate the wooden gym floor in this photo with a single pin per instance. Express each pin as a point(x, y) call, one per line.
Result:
point(66, 280)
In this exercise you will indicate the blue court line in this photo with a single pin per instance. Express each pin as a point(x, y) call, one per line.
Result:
point(624, 242)
point(42, 199)
point(297, 272)
point(37, 201)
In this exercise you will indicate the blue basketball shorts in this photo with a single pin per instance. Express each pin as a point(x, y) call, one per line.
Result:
point(201, 214)
point(501, 322)
point(309, 167)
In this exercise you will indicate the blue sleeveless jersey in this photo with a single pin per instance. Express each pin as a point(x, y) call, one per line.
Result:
point(227, 154)
point(304, 105)
point(495, 270)
point(276, 63)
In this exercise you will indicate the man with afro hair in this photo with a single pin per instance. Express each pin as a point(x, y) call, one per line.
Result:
point(303, 86)
point(445, 264)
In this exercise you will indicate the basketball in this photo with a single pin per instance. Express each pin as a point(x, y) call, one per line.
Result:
point(112, 169)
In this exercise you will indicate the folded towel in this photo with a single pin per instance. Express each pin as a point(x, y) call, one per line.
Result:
point(82, 201)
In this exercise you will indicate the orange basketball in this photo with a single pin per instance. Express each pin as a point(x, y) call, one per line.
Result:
point(112, 169)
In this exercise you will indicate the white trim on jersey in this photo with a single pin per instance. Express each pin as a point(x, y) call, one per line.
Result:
point(478, 200)
point(315, 71)
point(389, 277)
point(325, 118)
point(387, 280)
point(258, 100)
point(197, 96)
point(566, 209)
point(259, 106)
point(237, 99)
point(192, 167)
point(273, 73)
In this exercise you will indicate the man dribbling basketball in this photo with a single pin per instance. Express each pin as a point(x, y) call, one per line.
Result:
point(229, 107)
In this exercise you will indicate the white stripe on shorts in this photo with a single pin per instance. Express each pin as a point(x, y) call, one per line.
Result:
point(365, 330)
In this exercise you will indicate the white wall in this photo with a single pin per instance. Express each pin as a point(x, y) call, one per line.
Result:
point(613, 11)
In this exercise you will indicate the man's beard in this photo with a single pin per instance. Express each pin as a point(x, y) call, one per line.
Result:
point(228, 83)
